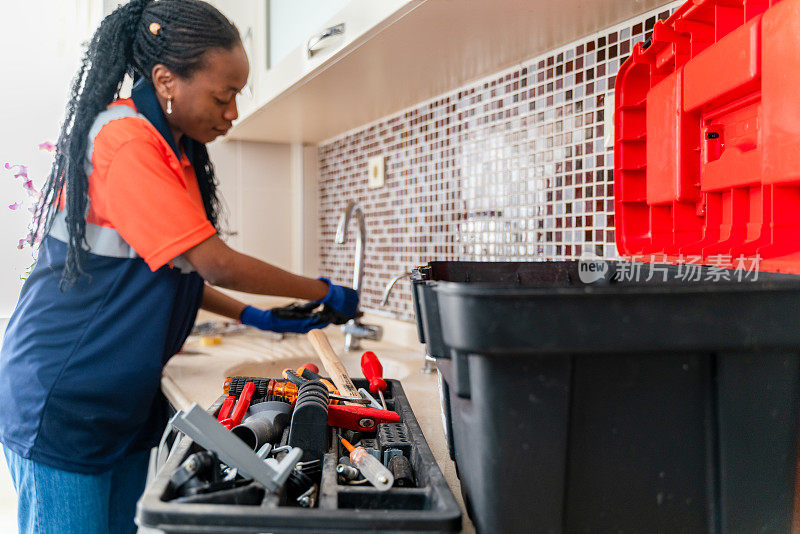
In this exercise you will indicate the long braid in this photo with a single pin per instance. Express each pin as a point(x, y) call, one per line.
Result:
point(95, 85)
point(123, 44)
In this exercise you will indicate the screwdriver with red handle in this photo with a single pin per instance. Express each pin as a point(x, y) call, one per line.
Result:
point(372, 369)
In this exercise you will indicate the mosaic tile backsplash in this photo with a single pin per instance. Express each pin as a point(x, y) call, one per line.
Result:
point(515, 167)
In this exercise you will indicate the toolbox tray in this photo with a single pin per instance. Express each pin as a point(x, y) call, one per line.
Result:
point(428, 507)
point(616, 406)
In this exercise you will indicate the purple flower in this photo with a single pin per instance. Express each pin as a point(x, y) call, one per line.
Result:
point(47, 145)
point(21, 244)
point(14, 206)
point(23, 170)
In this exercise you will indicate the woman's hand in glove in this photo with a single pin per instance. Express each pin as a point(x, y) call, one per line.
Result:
point(266, 320)
point(342, 299)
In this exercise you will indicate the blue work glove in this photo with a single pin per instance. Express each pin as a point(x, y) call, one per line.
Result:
point(342, 299)
point(266, 320)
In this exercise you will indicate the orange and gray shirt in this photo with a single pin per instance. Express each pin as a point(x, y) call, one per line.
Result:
point(80, 370)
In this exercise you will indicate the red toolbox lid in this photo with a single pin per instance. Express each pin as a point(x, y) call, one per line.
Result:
point(707, 138)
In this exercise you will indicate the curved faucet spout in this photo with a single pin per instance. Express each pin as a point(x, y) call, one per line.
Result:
point(341, 237)
point(354, 330)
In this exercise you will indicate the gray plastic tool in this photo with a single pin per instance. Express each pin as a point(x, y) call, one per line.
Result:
point(264, 423)
point(208, 433)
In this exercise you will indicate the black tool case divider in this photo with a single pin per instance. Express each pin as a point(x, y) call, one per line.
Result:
point(428, 507)
point(616, 406)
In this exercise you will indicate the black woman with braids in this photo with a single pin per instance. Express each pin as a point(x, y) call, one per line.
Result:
point(130, 251)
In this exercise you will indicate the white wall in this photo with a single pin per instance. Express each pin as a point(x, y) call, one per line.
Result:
point(40, 50)
point(255, 181)
point(271, 195)
point(308, 211)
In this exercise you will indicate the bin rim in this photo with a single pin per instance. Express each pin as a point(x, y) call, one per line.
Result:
point(501, 290)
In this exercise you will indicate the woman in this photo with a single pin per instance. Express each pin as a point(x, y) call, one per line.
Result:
point(131, 251)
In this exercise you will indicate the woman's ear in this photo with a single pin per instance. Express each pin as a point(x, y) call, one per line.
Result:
point(164, 81)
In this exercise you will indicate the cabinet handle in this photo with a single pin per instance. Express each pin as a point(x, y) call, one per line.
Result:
point(317, 42)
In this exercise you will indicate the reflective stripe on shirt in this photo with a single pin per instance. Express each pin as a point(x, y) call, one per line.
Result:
point(101, 240)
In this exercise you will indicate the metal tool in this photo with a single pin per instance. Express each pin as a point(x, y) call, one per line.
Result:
point(370, 467)
point(373, 402)
point(309, 498)
point(264, 451)
point(298, 489)
point(350, 400)
point(359, 418)
point(215, 328)
point(373, 371)
point(333, 365)
point(347, 472)
point(209, 434)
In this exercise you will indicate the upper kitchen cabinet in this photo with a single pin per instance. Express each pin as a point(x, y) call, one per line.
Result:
point(291, 22)
point(373, 58)
point(290, 41)
point(250, 17)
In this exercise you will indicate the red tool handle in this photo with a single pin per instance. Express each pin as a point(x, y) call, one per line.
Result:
point(227, 406)
point(359, 418)
point(372, 369)
point(241, 406)
point(310, 366)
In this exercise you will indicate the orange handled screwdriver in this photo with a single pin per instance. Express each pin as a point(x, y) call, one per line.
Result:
point(372, 369)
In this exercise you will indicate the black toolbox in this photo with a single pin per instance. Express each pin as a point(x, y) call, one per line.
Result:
point(616, 406)
point(428, 507)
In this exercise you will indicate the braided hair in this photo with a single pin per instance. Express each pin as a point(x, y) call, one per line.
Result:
point(123, 44)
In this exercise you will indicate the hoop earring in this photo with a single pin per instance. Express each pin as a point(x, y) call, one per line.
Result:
point(169, 106)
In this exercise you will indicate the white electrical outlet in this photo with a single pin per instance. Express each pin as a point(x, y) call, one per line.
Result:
point(376, 172)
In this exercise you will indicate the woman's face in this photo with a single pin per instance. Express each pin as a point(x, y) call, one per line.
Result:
point(204, 105)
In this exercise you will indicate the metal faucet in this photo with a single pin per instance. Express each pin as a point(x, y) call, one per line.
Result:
point(388, 290)
point(428, 362)
point(354, 330)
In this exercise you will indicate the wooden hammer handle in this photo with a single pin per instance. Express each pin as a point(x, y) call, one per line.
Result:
point(333, 365)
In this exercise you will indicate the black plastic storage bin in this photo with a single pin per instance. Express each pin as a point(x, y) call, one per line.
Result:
point(616, 406)
point(428, 507)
